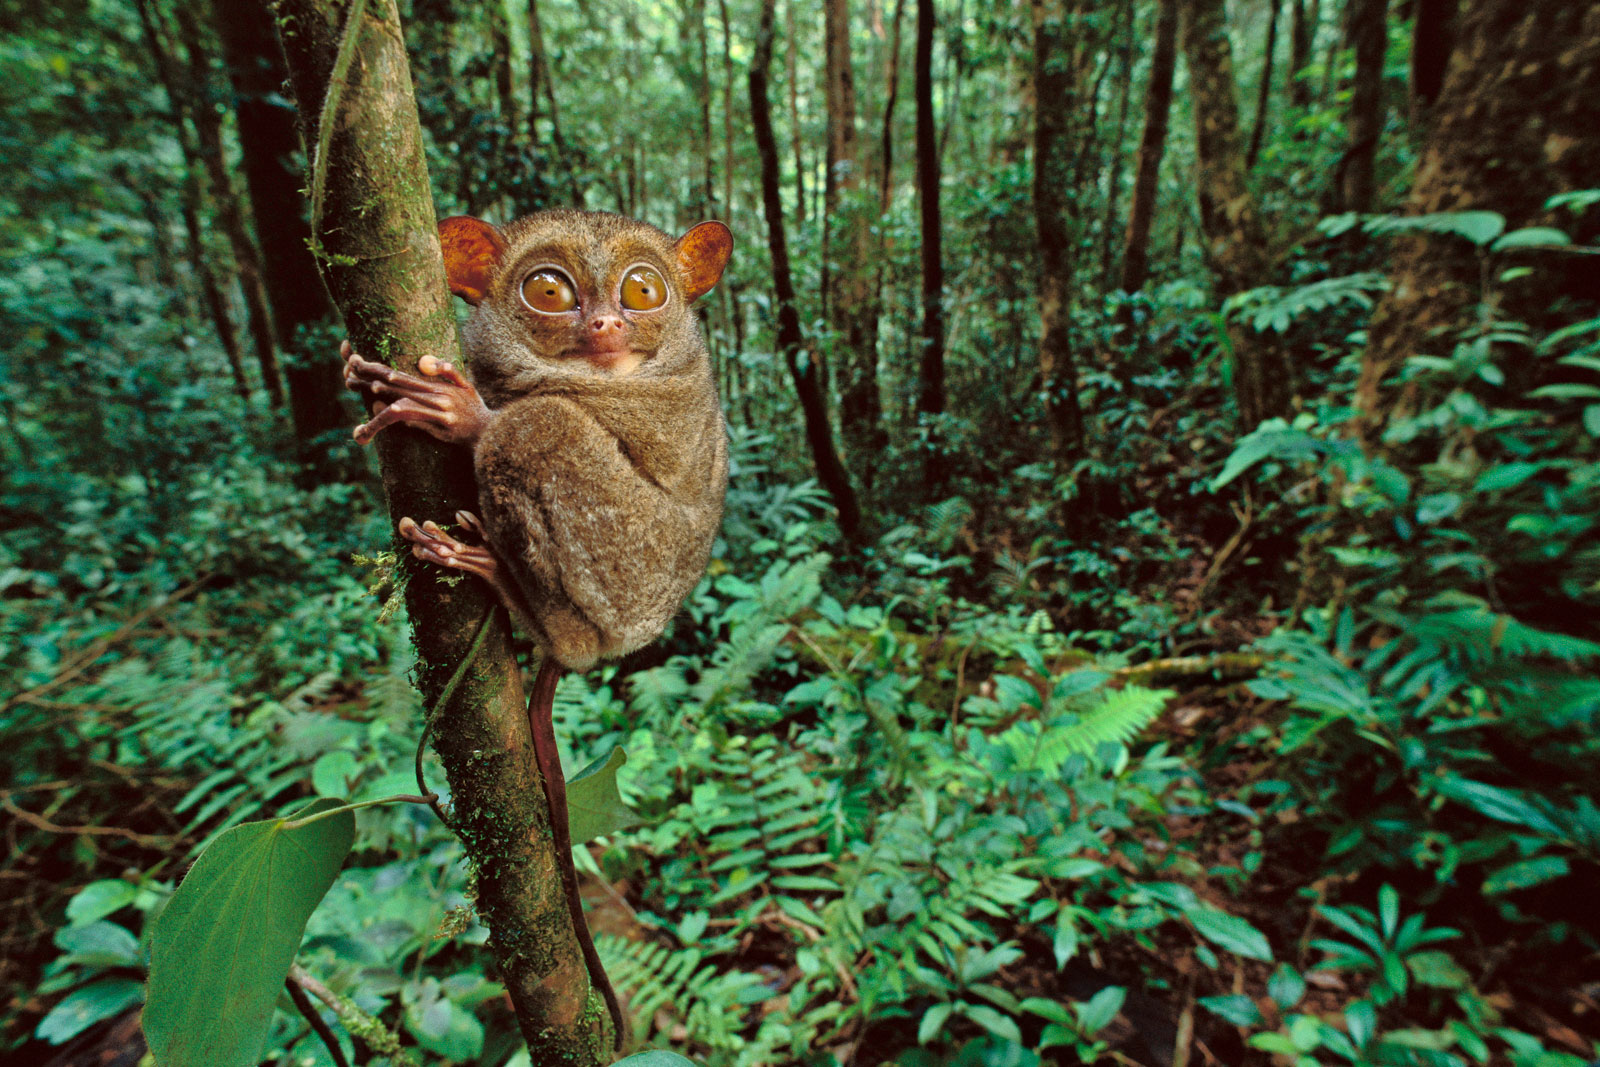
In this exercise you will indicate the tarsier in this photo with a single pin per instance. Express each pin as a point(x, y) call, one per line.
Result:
point(599, 447)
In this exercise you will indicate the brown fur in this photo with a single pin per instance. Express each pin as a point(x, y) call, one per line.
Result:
point(600, 493)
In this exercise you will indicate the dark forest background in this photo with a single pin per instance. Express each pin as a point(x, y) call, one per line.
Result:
point(1155, 619)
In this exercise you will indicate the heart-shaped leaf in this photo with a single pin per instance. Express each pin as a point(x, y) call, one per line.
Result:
point(223, 945)
point(594, 807)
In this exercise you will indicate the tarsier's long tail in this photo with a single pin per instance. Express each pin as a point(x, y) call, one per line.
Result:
point(541, 722)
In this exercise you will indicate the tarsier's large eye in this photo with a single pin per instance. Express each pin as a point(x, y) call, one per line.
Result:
point(643, 289)
point(549, 291)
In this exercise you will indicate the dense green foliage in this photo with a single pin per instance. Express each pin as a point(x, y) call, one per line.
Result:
point(1269, 741)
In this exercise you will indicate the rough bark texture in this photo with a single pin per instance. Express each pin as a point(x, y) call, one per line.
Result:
point(375, 221)
point(1152, 145)
point(1062, 62)
point(1514, 126)
point(792, 87)
point(1236, 241)
point(1369, 35)
point(849, 289)
point(807, 382)
point(301, 311)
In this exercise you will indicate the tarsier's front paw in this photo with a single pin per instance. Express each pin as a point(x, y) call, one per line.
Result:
point(442, 403)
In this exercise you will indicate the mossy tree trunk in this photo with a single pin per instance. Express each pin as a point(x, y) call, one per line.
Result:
point(373, 217)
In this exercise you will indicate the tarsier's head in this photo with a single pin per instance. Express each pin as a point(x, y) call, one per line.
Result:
point(582, 293)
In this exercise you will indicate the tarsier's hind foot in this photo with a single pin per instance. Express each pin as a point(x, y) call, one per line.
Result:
point(430, 542)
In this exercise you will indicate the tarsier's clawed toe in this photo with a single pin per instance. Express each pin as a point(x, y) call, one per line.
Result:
point(472, 524)
point(430, 543)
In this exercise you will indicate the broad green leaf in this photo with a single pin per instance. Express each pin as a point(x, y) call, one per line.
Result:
point(594, 807)
point(933, 1021)
point(1236, 1008)
point(87, 1006)
point(333, 773)
point(99, 944)
point(653, 1058)
point(1286, 987)
point(1229, 932)
point(1097, 1012)
point(993, 1021)
point(1530, 237)
point(221, 949)
point(1437, 970)
point(99, 899)
point(1526, 874)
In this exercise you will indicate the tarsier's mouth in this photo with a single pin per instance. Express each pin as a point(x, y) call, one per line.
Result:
point(617, 361)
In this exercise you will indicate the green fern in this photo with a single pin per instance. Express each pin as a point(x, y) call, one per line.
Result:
point(1114, 720)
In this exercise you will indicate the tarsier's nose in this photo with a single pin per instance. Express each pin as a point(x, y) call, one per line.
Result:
point(606, 325)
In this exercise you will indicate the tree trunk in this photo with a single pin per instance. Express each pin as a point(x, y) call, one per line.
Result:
point(374, 219)
point(1236, 241)
point(193, 199)
point(792, 85)
point(1302, 36)
point(1514, 126)
point(1061, 65)
point(302, 315)
point(886, 139)
point(1108, 225)
point(1369, 34)
point(1434, 35)
point(541, 86)
point(208, 129)
point(706, 194)
point(807, 382)
point(1264, 90)
point(1152, 145)
point(848, 293)
point(505, 95)
point(930, 394)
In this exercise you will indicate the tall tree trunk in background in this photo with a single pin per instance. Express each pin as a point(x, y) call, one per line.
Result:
point(302, 315)
point(1302, 36)
point(542, 87)
point(1062, 61)
point(1124, 33)
point(1264, 90)
point(499, 25)
point(1434, 35)
point(1514, 126)
point(792, 86)
point(891, 97)
point(931, 393)
point(807, 381)
point(850, 306)
point(1152, 145)
point(208, 130)
point(699, 65)
point(192, 195)
point(727, 108)
point(1369, 35)
point(432, 44)
point(1236, 241)
point(375, 218)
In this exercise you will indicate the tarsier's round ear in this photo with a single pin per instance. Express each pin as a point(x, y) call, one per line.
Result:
point(472, 250)
point(702, 254)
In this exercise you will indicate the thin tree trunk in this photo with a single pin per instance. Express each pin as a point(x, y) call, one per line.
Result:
point(375, 220)
point(792, 84)
point(1302, 36)
point(1108, 225)
point(1264, 90)
point(541, 86)
point(302, 314)
point(1061, 66)
point(193, 198)
point(1369, 34)
point(886, 141)
point(1152, 146)
point(727, 109)
point(807, 383)
point(1236, 241)
point(850, 306)
point(208, 128)
point(931, 393)
point(500, 67)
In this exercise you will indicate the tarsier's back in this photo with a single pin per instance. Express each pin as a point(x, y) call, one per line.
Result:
point(601, 477)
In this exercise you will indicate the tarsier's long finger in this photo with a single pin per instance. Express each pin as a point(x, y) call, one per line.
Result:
point(429, 419)
point(444, 369)
point(472, 524)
